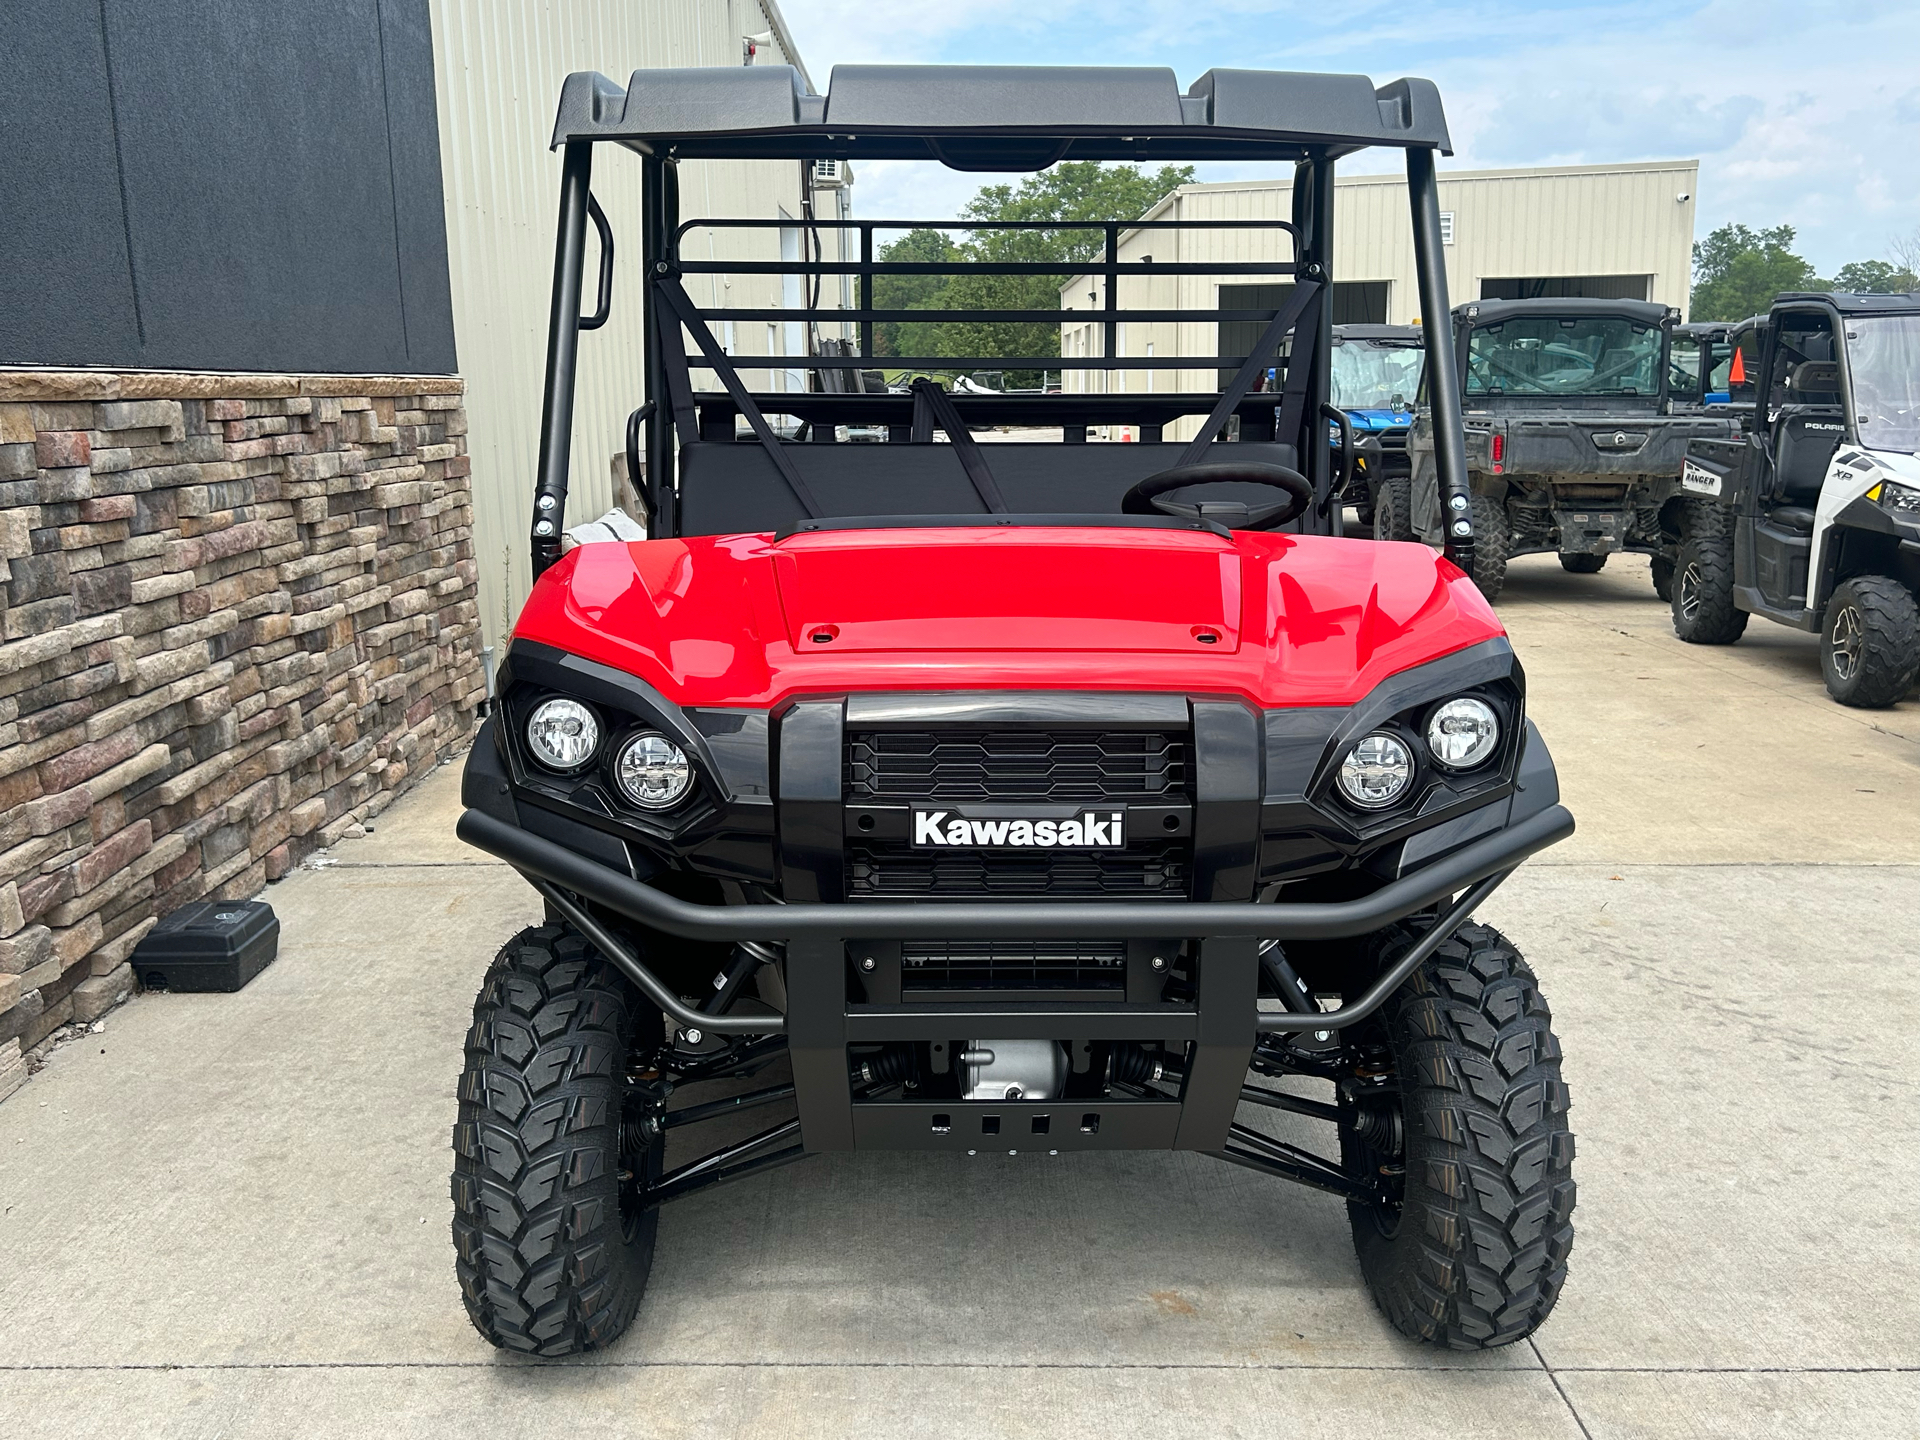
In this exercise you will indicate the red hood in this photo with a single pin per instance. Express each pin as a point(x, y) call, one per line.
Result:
point(731, 620)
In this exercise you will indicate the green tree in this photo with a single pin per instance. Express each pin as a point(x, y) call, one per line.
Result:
point(1737, 271)
point(1077, 190)
point(1875, 277)
point(910, 292)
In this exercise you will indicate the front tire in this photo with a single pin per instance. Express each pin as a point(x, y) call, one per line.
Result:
point(1492, 543)
point(1703, 608)
point(1393, 509)
point(552, 1249)
point(1468, 1246)
point(1870, 642)
point(1663, 577)
point(1582, 564)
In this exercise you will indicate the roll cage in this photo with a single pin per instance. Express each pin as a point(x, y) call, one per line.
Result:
point(698, 478)
point(1821, 314)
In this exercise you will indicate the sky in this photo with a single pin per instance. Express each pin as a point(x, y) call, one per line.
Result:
point(1805, 114)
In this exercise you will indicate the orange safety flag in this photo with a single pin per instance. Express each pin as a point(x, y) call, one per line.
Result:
point(1738, 374)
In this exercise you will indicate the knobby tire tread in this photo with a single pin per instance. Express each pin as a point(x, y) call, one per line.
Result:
point(1890, 642)
point(1393, 508)
point(1707, 541)
point(544, 1265)
point(1480, 1252)
point(1492, 545)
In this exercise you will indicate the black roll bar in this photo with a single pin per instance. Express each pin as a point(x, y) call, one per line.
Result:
point(1443, 381)
point(662, 230)
point(563, 349)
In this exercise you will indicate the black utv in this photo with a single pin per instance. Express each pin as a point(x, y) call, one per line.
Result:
point(1570, 446)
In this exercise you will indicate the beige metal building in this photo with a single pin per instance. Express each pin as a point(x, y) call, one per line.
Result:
point(1612, 231)
point(498, 70)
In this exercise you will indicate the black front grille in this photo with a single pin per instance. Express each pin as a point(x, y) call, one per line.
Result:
point(977, 764)
point(891, 870)
point(1013, 965)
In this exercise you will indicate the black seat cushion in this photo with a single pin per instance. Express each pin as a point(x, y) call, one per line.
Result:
point(1792, 517)
point(730, 488)
point(1816, 382)
point(1804, 442)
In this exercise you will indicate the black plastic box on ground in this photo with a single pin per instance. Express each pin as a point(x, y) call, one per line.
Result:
point(208, 945)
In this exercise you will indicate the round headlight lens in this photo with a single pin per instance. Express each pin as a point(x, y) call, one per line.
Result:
point(1463, 733)
point(562, 734)
point(652, 771)
point(1376, 771)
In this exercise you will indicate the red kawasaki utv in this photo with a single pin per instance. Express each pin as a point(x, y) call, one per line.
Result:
point(1042, 797)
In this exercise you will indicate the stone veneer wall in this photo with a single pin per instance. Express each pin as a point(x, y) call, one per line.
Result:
point(239, 617)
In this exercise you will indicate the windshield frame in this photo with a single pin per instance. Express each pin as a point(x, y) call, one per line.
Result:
point(1663, 333)
point(1872, 433)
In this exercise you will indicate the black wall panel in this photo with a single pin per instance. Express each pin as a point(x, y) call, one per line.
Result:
point(221, 184)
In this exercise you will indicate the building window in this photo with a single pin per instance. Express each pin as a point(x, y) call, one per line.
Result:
point(1446, 227)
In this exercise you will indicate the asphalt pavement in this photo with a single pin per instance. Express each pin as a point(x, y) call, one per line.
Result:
point(227, 1215)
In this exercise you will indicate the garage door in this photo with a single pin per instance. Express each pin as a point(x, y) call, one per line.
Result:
point(1562, 287)
point(1355, 302)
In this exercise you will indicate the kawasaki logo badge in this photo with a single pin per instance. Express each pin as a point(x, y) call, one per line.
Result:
point(1699, 479)
point(1089, 830)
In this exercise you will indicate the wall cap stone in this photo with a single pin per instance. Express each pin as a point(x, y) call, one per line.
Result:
point(46, 384)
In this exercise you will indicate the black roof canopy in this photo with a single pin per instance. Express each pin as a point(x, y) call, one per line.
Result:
point(1495, 312)
point(1850, 303)
point(999, 117)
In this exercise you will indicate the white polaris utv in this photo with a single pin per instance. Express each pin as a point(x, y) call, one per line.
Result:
point(1811, 517)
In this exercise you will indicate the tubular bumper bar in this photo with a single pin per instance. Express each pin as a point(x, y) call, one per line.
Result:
point(647, 906)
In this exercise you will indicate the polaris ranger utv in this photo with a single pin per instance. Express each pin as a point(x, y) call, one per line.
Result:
point(1036, 798)
point(1569, 442)
point(1811, 517)
point(1375, 383)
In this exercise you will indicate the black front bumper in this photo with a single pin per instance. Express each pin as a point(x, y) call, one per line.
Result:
point(1220, 1024)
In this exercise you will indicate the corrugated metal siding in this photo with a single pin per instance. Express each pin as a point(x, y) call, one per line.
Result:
point(498, 69)
point(1571, 220)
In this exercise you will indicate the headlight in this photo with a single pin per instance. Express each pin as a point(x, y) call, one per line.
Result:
point(1376, 771)
point(652, 771)
point(1890, 496)
point(562, 734)
point(1463, 733)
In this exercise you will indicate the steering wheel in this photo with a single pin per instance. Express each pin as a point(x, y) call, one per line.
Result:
point(1145, 498)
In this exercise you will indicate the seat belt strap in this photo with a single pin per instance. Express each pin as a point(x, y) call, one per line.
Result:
point(682, 307)
point(1293, 392)
point(679, 383)
point(1304, 294)
point(933, 406)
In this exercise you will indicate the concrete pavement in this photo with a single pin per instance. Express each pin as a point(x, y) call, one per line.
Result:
point(227, 1215)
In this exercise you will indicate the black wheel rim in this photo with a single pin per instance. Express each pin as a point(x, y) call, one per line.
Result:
point(1845, 643)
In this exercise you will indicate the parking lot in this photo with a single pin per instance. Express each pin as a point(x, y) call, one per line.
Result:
point(228, 1215)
